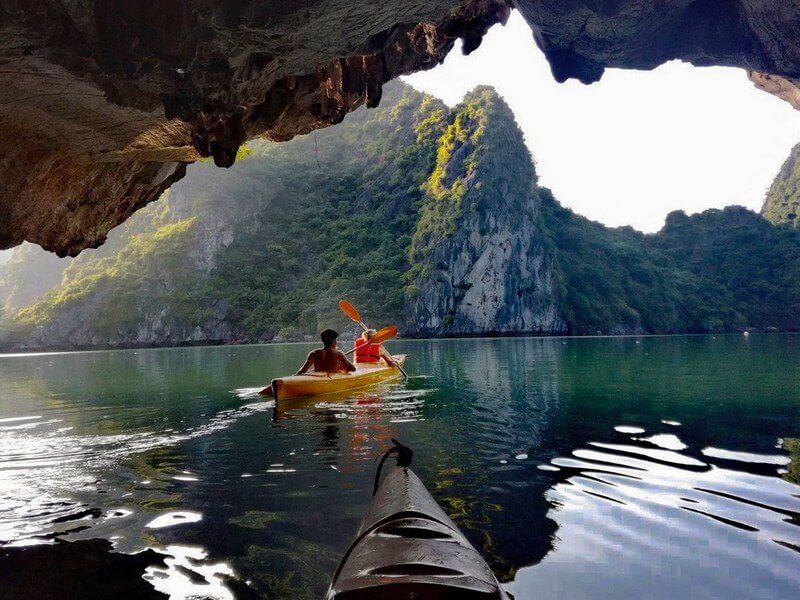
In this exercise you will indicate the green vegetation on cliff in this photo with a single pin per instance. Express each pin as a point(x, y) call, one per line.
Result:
point(466, 159)
point(366, 211)
point(782, 203)
point(340, 224)
point(720, 270)
point(325, 216)
point(115, 285)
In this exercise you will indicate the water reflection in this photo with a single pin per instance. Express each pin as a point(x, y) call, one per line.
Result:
point(650, 465)
point(370, 416)
point(496, 400)
point(716, 520)
point(72, 571)
point(43, 463)
point(186, 576)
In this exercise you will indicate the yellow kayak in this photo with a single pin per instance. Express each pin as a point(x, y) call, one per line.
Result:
point(313, 384)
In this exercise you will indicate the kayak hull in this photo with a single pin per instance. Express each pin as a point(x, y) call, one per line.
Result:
point(408, 548)
point(314, 384)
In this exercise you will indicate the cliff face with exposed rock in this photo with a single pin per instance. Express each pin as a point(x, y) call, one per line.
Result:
point(422, 215)
point(480, 266)
point(102, 104)
point(782, 203)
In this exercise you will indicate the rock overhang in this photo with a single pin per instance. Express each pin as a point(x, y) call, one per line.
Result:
point(102, 104)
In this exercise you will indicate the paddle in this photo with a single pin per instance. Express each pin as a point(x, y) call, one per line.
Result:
point(351, 312)
point(354, 315)
point(380, 336)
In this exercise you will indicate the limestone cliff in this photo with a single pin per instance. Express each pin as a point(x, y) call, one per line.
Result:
point(421, 215)
point(782, 203)
point(137, 289)
point(479, 264)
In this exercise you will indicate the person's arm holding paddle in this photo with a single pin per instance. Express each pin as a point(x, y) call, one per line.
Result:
point(387, 357)
point(345, 364)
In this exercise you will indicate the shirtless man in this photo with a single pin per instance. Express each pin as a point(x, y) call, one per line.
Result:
point(327, 359)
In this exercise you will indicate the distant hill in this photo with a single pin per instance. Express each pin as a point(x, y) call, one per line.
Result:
point(421, 215)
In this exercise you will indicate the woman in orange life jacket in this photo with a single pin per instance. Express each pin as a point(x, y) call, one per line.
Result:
point(371, 353)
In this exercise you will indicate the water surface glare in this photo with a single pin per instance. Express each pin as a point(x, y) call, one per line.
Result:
point(581, 468)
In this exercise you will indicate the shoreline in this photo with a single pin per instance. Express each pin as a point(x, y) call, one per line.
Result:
point(24, 352)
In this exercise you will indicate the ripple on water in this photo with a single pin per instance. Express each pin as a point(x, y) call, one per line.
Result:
point(399, 404)
point(667, 441)
point(748, 457)
point(186, 575)
point(248, 393)
point(178, 517)
point(628, 429)
point(620, 505)
point(44, 466)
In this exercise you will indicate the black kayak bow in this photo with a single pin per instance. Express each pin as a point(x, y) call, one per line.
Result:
point(408, 548)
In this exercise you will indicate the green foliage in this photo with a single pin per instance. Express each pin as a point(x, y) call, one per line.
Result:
point(480, 157)
point(117, 285)
point(782, 203)
point(353, 193)
point(792, 446)
point(722, 270)
point(365, 211)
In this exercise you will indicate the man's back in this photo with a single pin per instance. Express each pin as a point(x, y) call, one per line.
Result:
point(329, 360)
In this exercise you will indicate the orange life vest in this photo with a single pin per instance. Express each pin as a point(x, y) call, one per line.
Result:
point(366, 352)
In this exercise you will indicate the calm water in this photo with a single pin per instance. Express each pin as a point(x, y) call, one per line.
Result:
point(580, 468)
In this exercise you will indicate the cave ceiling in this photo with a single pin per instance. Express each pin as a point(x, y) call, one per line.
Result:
point(104, 103)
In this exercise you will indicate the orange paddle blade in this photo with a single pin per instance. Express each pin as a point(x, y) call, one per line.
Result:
point(384, 334)
point(350, 310)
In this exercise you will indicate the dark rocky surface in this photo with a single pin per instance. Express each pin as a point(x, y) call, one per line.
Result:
point(102, 103)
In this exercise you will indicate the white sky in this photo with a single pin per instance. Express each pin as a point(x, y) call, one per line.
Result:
point(636, 145)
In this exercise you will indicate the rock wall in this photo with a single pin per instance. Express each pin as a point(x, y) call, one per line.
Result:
point(150, 321)
point(479, 260)
point(782, 202)
point(494, 277)
point(103, 103)
point(581, 38)
point(423, 216)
